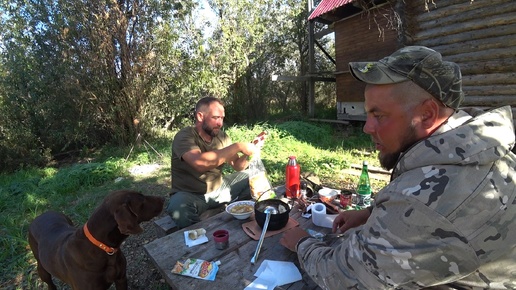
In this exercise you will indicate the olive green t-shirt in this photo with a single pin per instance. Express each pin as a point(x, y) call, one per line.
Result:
point(184, 177)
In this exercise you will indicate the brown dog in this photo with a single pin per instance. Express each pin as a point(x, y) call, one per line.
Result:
point(89, 257)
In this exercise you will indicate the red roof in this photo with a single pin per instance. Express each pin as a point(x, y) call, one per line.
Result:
point(327, 6)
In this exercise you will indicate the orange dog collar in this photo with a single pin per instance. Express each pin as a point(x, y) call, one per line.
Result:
point(109, 250)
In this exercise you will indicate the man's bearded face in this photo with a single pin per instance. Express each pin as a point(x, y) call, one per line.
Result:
point(388, 160)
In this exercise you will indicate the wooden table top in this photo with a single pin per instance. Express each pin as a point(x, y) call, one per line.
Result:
point(235, 271)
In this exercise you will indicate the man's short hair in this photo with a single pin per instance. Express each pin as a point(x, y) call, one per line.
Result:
point(205, 102)
point(421, 65)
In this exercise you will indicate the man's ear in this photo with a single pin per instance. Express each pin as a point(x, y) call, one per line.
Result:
point(199, 116)
point(429, 113)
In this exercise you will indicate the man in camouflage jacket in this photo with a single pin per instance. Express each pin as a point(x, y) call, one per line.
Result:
point(447, 219)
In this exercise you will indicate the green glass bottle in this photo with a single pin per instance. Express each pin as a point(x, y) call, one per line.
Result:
point(364, 189)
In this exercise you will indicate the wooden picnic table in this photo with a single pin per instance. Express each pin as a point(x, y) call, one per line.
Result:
point(235, 271)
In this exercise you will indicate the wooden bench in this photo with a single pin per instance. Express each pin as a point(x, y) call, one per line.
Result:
point(165, 226)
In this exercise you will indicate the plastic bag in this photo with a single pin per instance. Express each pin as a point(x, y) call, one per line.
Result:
point(260, 186)
point(258, 182)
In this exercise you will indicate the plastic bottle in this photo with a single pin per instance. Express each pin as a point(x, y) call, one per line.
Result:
point(292, 173)
point(303, 189)
point(364, 189)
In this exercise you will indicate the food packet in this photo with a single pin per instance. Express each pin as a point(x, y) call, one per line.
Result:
point(196, 268)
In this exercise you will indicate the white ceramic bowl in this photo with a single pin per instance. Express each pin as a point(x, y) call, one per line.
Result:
point(327, 194)
point(244, 215)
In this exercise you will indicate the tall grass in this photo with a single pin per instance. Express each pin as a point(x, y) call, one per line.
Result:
point(77, 189)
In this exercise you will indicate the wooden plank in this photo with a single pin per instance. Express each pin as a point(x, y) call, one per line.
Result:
point(498, 54)
point(323, 32)
point(488, 90)
point(436, 39)
point(492, 66)
point(165, 226)
point(465, 26)
point(475, 45)
point(489, 79)
point(491, 101)
point(462, 13)
point(445, 8)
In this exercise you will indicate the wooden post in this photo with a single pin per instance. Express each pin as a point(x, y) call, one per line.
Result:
point(311, 69)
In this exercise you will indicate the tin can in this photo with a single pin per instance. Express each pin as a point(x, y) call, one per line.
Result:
point(346, 199)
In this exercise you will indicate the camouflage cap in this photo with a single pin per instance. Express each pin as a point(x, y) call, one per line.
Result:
point(422, 65)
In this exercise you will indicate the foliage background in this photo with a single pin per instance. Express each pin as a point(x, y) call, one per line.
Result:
point(76, 75)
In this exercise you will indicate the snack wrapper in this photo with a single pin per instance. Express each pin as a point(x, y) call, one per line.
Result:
point(196, 268)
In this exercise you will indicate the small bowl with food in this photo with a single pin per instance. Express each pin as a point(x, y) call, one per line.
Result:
point(241, 209)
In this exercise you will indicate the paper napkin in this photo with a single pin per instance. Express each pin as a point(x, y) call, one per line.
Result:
point(271, 274)
point(200, 240)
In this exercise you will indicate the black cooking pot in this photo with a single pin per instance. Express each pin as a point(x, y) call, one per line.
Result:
point(277, 220)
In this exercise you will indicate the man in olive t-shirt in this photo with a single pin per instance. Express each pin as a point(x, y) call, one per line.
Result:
point(198, 154)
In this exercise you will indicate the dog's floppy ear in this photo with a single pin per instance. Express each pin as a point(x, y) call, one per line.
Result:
point(127, 220)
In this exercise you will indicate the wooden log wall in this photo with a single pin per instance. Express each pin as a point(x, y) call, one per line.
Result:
point(478, 35)
point(357, 38)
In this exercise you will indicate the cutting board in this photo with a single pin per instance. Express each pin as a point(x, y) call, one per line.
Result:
point(253, 230)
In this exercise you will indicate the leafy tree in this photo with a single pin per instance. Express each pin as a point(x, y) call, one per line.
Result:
point(256, 39)
point(81, 74)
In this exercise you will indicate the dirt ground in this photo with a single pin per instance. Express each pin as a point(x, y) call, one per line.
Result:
point(141, 272)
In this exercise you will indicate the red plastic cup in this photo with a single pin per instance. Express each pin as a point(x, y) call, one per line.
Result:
point(221, 238)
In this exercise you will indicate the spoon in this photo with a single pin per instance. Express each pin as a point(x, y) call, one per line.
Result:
point(268, 211)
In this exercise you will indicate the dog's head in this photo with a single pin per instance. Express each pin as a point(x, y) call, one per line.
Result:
point(130, 208)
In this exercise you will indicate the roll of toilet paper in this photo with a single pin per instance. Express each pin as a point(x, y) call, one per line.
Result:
point(320, 218)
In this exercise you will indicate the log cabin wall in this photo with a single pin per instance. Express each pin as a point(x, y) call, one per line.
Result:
point(478, 35)
point(358, 38)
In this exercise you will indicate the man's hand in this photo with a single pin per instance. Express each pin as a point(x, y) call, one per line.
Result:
point(241, 162)
point(350, 219)
point(247, 148)
point(291, 237)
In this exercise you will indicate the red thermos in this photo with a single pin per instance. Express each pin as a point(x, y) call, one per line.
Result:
point(293, 171)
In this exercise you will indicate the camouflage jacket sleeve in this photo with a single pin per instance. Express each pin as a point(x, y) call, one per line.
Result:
point(405, 247)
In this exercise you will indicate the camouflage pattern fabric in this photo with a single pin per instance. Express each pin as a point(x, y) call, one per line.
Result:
point(422, 65)
point(447, 216)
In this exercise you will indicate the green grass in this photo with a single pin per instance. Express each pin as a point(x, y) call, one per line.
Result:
point(76, 189)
